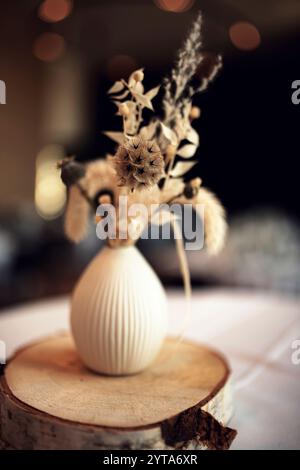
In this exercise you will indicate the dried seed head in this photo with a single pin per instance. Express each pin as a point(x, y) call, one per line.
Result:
point(195, 113)
point(139, 163)
point(138, 76)
point(71, 171)
point(123, 109)
point(196, 183)
point(105, 199)
point(191, 188)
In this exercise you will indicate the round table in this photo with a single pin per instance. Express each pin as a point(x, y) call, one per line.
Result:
point(257, 331)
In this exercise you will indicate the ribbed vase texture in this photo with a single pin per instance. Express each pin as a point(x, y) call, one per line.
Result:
point(119, 312)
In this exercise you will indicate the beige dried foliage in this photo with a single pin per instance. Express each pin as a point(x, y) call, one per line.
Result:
point(149, 196)
point(100, 175)
point(215, 225)
point(172, 189)
point(76, 217)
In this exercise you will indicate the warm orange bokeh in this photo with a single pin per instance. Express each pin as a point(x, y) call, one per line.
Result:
point(49, 47)
point(244, 36)
point(176, 6)
point(55, 10)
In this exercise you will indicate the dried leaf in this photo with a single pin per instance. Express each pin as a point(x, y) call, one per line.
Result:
point(138, 87)
point(169, 134)
point(181, 168)
point(187, 151)
point(143, 100)
point(193, 136)
point(153, 92)
point(115, 136)
point(147, 132)
point(122, 95)
point(117, 86)
point(171, 189)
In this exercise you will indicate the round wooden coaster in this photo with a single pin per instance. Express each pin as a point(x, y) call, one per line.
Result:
point(51, 400)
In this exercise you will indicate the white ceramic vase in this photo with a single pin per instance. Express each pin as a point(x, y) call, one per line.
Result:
point(119, 312)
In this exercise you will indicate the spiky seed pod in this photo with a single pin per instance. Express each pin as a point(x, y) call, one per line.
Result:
point(139, 163)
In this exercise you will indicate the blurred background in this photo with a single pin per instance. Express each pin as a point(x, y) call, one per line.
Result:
point(58, 58)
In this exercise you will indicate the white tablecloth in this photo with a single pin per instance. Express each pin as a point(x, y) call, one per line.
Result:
point(255, 331)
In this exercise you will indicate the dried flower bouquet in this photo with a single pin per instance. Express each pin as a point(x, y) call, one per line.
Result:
point(119, 312)
point(151, 159)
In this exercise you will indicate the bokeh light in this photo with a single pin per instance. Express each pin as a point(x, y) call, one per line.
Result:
point(120, 66)
point(50, 192)
point(49, 47)
point(55, 10)
point(244, 36)
point(175, 6)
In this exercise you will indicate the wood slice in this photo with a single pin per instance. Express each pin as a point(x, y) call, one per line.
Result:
point(50, 400)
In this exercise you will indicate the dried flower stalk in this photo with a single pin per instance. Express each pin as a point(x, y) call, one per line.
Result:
point(188, 59)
